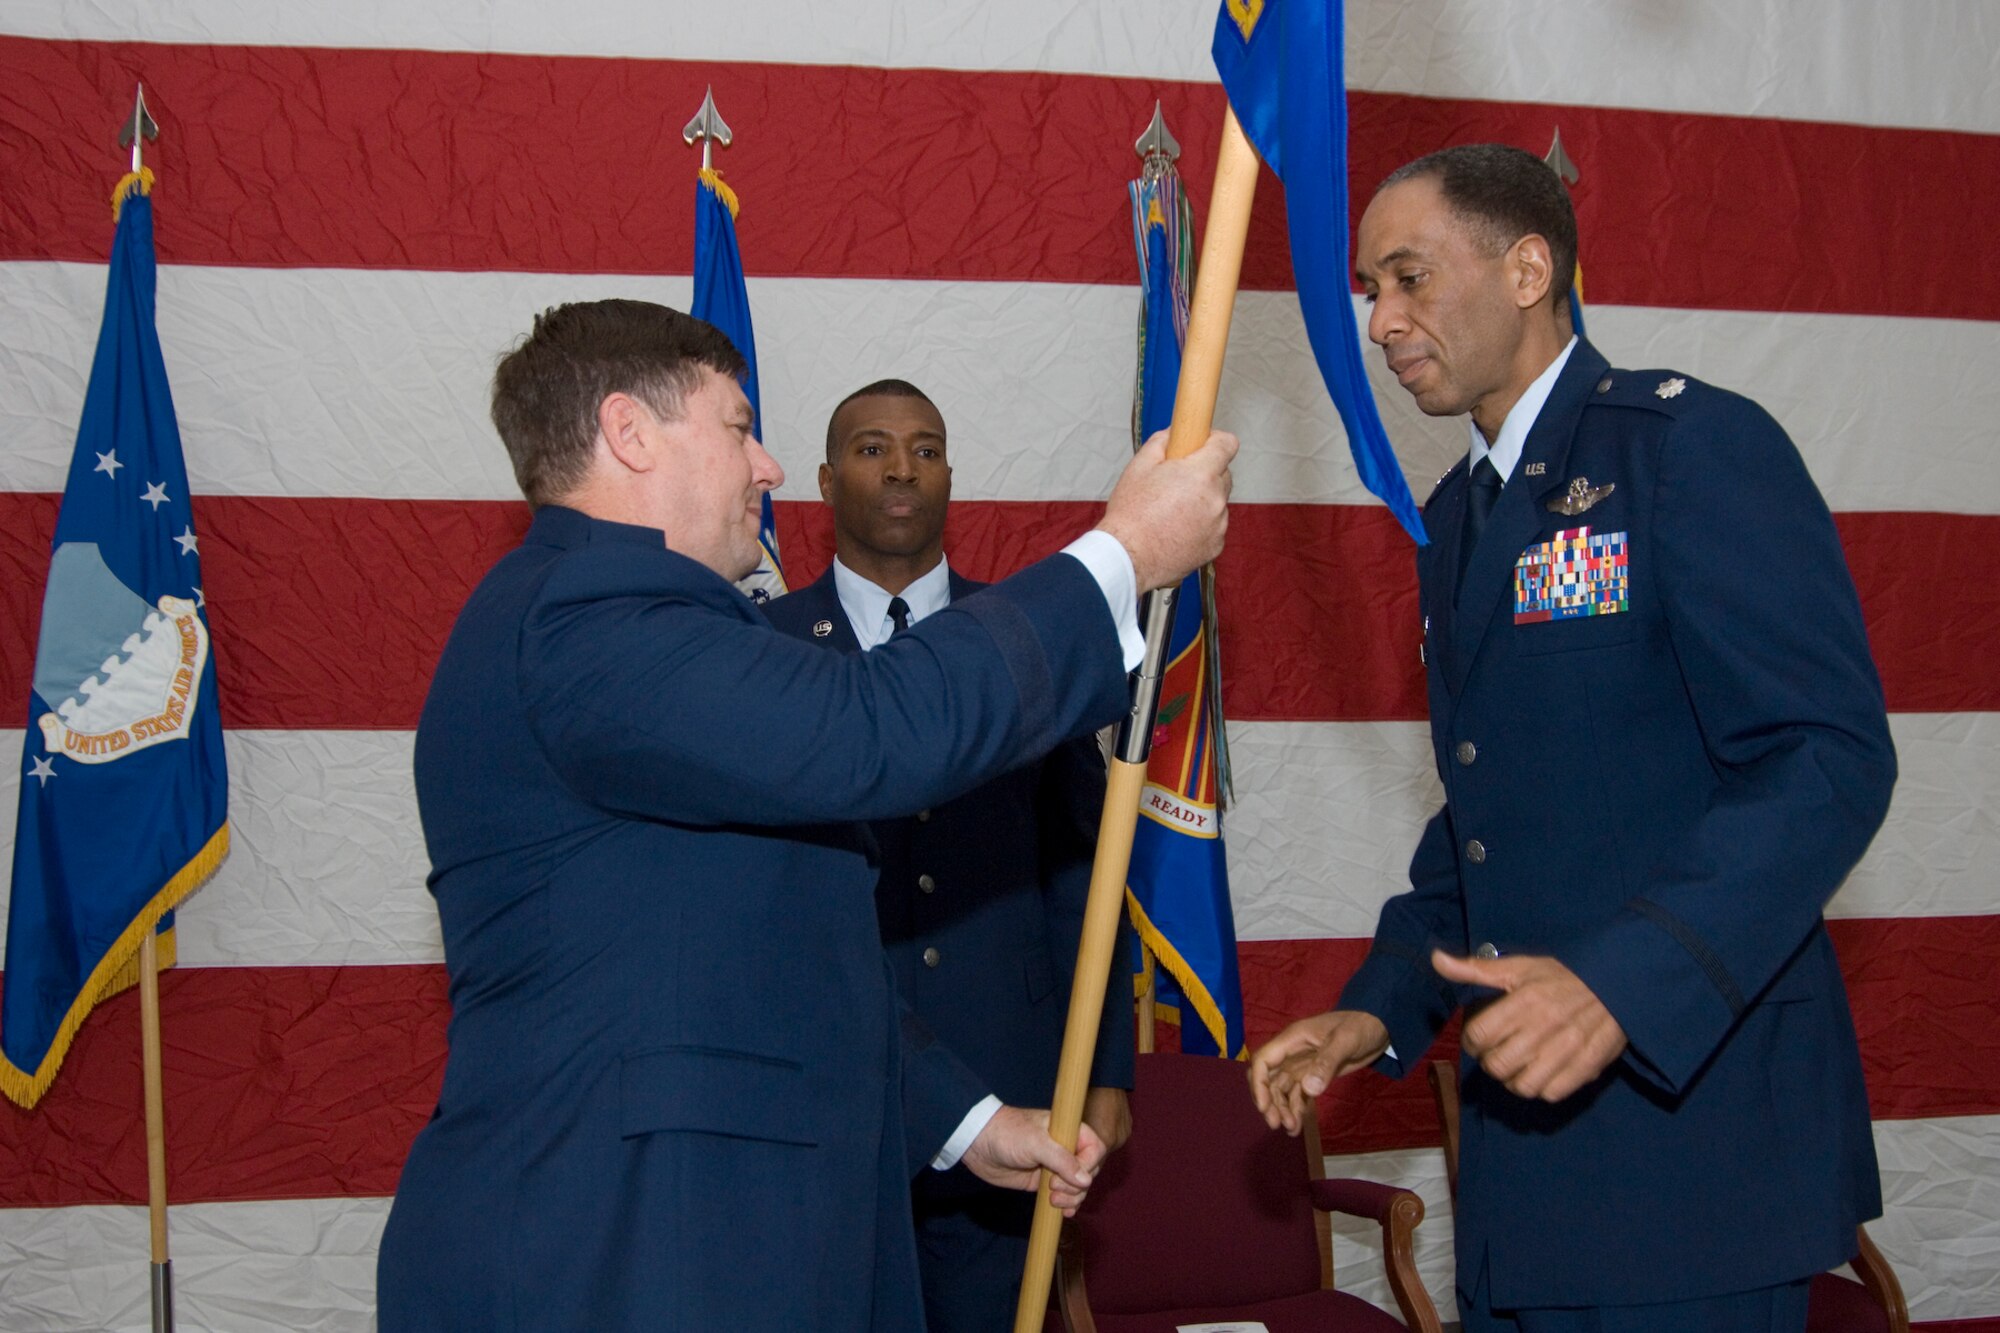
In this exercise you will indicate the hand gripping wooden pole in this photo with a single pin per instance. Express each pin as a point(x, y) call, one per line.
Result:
point(1194, 413)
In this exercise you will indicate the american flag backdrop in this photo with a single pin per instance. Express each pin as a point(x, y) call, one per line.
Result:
point(361, 205)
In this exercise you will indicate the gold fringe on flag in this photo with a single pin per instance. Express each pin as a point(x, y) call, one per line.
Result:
point(140, 181)
point(118, 970)
point(713, 180)
point(1191, 984)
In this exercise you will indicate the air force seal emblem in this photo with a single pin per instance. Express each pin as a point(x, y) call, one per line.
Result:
point(117, 674)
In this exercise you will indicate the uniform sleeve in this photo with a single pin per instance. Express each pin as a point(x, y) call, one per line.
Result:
point(1396, 982)
point(666, 707)
point(938, 1090)
point(1767, 631)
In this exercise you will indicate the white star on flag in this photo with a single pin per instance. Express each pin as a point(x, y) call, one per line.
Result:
point(200, 597)
point(43, 768)
point(187, 541)
point(108, 464)
point(156, 494)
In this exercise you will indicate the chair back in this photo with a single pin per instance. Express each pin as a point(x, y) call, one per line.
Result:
point(1205, 1205)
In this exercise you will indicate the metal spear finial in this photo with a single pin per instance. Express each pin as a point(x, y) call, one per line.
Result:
point(1157, 148)
point(139, 128)
point(1559, 161)
point(707, 127)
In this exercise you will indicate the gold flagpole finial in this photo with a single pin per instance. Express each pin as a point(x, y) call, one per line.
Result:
point(707, 128)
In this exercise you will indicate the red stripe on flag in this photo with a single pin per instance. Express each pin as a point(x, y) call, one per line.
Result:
point(330, 614)
point(311, 1081)
point(280, 1083)
point(437, 160)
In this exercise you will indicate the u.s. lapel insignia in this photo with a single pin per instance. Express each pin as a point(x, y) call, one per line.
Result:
point(822, 628)
point(1537, 469)
point(1671, 388)
point(1580, 496)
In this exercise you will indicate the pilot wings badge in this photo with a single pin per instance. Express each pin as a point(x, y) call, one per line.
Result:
point(1580, 496)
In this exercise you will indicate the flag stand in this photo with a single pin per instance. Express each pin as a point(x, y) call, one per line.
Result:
point(1209, 314)
point(156, 1133)
point(1149, 1000)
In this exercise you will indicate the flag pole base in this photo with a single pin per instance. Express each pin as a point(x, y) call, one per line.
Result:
point(163, 1297)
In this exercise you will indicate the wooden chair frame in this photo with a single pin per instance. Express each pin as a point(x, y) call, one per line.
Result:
point(1396, 1211)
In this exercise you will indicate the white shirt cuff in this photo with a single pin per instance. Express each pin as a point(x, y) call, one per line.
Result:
point(969, 1129)
point(1106, 559)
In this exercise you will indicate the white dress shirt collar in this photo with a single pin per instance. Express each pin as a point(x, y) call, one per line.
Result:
point(867, 605)
point(1506, 451)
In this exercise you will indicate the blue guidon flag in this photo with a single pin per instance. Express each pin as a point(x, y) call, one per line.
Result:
point(1177, 889)
point(721, 298)
point(124, 790)
point(1281, 62)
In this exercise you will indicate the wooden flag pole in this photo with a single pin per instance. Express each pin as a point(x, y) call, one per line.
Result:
point(156, 1132)
point(1194, 413)
point(136, 131)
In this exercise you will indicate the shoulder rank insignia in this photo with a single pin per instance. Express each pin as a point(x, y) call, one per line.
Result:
point(822, 628)
point(1580, 496)
point(1671, 388)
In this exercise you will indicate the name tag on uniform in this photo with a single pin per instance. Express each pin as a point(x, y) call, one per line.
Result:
point(1575, 573)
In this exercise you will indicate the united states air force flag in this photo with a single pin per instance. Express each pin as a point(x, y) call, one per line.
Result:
point(124, 792)
point(1177, 890)
point(1281, 63)
point(721, 298)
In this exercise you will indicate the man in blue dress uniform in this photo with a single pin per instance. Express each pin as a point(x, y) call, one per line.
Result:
point(680, 1094)
point(981, 898)
point(1663, 746)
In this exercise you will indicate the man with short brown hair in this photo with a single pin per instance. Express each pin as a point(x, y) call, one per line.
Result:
point(679, 1091)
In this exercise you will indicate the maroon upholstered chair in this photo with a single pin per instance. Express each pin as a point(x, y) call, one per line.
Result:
point(1209, 1215)
point(1837, 1304)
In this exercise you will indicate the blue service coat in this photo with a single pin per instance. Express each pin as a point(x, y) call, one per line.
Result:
point(1663, 798)
point(1009, 873)
point(679, 1093)
point(981, 903)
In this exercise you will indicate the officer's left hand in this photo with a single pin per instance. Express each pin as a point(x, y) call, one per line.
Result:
point(1015, 1147)
point(1109, 1112)
point(1546, 1036)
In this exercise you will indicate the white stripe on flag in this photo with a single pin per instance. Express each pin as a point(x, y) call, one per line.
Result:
point(379, 387)
point(328, 863)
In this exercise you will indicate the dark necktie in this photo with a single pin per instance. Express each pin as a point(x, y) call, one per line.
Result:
point(899, 615)
point(1479, 500)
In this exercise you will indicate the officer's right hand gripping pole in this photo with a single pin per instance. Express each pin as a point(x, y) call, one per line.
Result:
point(1194, 413)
